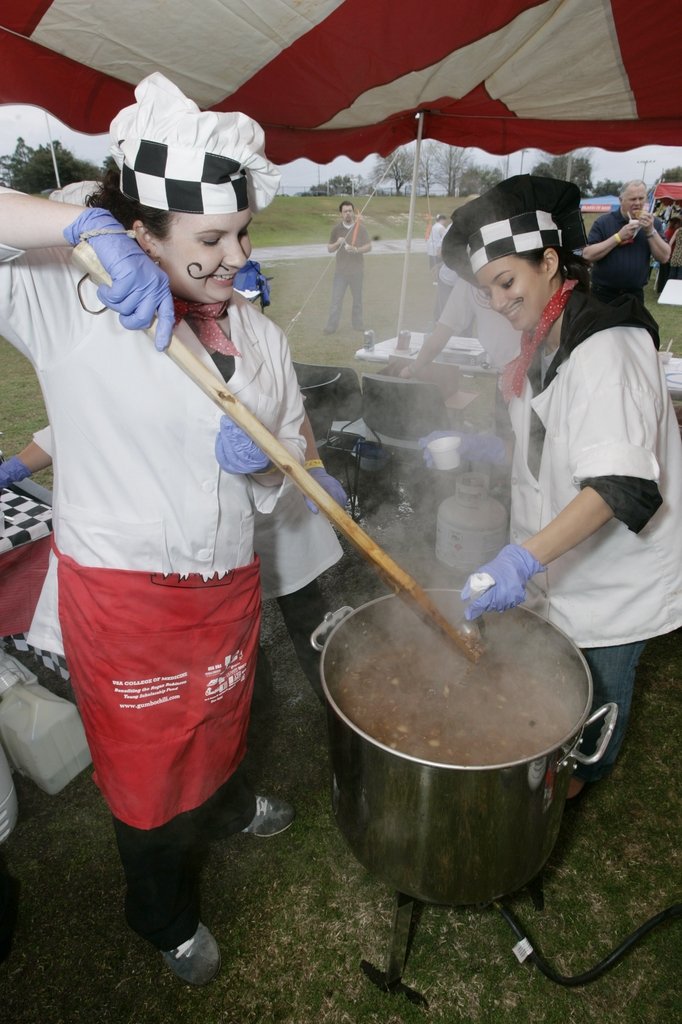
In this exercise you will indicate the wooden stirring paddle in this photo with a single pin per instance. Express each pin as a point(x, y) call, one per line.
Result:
point(403, 584)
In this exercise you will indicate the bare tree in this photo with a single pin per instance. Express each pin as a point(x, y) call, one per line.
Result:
point(428, 159)
point(396, 168)
point(450, 163)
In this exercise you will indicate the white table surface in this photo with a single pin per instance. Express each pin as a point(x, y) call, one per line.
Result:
point(671, 294)
point(673, 374)
point(456, 348)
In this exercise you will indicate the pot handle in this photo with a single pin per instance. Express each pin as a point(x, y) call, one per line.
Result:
point(331, 619)
point(609, 712)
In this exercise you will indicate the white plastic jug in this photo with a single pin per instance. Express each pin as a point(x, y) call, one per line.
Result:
point(42, 733)
point(8, 798)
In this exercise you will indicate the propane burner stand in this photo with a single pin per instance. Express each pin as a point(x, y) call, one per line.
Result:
point(406, 913)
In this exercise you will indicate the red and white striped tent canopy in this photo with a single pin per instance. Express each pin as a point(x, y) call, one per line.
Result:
point(333, 77)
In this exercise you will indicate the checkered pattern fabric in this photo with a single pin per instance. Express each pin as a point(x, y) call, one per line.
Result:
point(183, 180)
point(24, 520)
point(27, 520)
point(523, 233)
point(55, 662)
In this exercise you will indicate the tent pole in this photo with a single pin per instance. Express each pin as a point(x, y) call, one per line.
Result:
point(54, 157)
point(410, 221)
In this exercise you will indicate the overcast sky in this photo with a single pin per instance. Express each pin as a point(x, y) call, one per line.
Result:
point(36, 128)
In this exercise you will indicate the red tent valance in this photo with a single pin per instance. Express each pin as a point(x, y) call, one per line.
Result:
point(333, 77)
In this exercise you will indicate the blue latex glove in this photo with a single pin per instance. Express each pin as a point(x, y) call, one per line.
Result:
point(511, 569)
point(473, 447)
point(250, 279)
point(139, 289)
point(12, 471)
point(331, 486)
point(236, 452)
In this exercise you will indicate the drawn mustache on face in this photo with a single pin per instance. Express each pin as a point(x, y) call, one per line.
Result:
point(199, 276)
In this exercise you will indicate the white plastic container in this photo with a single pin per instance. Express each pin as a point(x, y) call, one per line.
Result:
point(471, 526)
point(8, 798)
point(42, 733)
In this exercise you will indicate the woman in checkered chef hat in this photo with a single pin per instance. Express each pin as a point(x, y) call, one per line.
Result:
point(596, 473)
point(154, 575)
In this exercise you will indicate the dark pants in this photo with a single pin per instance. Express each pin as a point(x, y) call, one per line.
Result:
point(339, 285)
point(663, 275)
point(162, 864)
point(609, 294)
point(302, 611)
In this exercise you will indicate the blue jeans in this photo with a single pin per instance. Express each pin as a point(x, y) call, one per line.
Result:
point(339, 285)
point(613, 679)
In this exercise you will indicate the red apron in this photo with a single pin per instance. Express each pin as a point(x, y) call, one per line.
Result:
point(162, 668)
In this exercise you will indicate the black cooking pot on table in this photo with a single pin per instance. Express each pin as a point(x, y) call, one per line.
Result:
point(449, 779)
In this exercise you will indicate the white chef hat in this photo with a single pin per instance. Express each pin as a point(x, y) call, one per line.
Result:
point(173, 156)
point(520, 214)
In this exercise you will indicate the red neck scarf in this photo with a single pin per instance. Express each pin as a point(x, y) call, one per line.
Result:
point(514, 373)
point(202, 317)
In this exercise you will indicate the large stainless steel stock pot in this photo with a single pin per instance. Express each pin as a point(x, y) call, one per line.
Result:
point(449, 779)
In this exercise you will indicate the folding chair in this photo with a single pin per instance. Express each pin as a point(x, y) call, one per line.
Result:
point(332, 399)
point(395, 414)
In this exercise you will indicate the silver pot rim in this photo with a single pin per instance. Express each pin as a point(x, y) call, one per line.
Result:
point(565, 744)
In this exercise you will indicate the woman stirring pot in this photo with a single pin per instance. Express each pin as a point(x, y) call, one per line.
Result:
point(596, 509)
point(154, 585)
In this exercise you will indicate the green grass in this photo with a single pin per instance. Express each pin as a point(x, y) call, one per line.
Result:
point(297, 220)
point(295, 916)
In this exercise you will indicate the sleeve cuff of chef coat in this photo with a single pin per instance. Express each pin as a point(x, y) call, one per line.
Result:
point(615, 459)
point(43, 438)
point(9, 253)
point(632, 500)
point(266, 497)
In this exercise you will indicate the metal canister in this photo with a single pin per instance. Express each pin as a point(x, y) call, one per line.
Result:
point(404, 339)
point(369, 341)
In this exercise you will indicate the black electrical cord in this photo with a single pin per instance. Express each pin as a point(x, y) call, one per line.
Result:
point(604, 965)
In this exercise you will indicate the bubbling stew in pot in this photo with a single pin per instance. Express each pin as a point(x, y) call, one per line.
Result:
point(511, 706)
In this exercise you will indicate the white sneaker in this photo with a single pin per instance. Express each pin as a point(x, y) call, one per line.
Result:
point(272, 817)
point(196, 961)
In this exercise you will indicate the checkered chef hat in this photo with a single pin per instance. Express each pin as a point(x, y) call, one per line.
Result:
point(174, 156)
point(521, 214)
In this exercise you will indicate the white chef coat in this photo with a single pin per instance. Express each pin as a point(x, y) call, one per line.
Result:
point(607, 412)
point(499, 339)
point(137, 484)
point(294, 545)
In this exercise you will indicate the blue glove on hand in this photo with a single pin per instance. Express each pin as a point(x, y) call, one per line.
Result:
point(236, 452)
point(12, 471)
point(473, 447)
point(511, 569)
point(139, 289)
point(331, 486)
point(249, 279)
